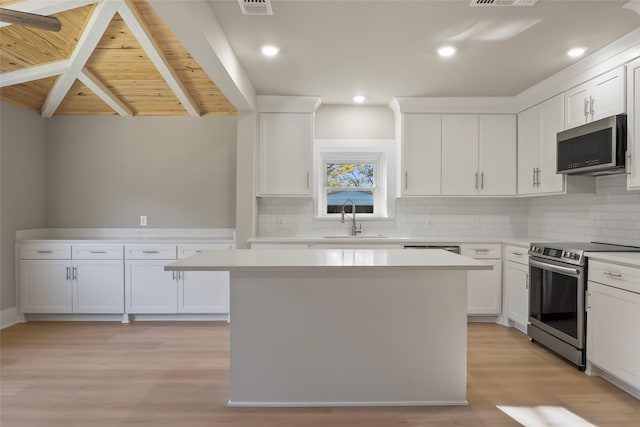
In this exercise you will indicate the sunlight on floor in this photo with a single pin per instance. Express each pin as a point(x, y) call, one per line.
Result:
point(545, 416)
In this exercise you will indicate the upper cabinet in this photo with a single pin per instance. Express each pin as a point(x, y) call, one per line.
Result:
point(537, 129)
point(479, 155)
point(420, 146)
point(285, 152)
point(596, 99)
point(633, 125)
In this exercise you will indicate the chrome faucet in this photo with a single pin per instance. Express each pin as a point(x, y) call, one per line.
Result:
point(354, 231)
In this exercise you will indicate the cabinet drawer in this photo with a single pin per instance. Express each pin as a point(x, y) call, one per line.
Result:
point(97, 251)
point(186, 250)
point(482, 251)
point(150, 251)
point(517, 254)
point(45, 251)
point(619, 276)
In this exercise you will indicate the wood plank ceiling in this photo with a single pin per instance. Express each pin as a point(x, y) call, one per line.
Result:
point(119, 64)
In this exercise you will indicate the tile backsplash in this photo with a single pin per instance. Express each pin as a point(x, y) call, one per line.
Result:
point(610, 215)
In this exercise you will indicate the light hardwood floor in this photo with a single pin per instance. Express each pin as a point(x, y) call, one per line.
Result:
point(177, 374)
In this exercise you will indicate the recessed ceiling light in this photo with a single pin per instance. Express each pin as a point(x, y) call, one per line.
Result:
point(359, 99)
point(270, 50)
point(446, 51)
point(576, 52)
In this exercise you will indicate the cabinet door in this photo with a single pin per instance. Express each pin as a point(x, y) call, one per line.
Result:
point(285, 155)
point(203, 292)
point(517, 291)
point(608, 94)
point(577, 106)
point(633, 125)
point(98, 286)
point(612, 331)
point(421, 154)
point(45, 286)
point(497, 155)
point(551, 116)
point(484, 290)
point(529, 137)
point(150, 289)
point(460, 154)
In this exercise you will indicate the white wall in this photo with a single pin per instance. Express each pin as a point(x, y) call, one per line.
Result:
point(354, 122)
point(23, 159)
point(104, 172)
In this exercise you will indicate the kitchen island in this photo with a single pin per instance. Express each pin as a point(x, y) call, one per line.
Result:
point(345, 327)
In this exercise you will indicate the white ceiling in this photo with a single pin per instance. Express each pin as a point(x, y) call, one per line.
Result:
point(381, 49)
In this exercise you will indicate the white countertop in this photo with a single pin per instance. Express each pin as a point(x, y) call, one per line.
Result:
point(373, 239)
point(435, 259)
point(128, 235)
point(631, 259)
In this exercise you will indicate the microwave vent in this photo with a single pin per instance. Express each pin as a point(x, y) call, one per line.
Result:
point(255, 7)
point(503, 2)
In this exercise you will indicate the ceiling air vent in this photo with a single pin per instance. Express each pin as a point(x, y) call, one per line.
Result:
point(503, 2)
point(256, 7)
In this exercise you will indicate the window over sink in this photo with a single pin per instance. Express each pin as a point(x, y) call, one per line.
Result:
point(356, 173)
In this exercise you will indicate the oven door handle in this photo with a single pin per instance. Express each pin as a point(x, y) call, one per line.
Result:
point(555, 268)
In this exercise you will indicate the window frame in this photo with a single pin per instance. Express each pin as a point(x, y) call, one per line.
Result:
point(378, 152)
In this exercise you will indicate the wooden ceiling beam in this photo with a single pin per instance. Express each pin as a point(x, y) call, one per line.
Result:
point(36, 72)
point(95, 28)
point(46, 7)
point(104, 93)
point(140, 30)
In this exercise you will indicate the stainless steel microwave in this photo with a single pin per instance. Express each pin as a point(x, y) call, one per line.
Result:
point(596, 148)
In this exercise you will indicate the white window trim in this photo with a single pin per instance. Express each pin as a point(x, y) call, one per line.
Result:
point(378, 151)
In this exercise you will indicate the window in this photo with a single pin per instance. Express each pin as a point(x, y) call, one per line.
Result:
point(352, 183)
point(354, 173)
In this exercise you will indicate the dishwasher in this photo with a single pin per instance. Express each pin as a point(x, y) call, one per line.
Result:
point(450, 248)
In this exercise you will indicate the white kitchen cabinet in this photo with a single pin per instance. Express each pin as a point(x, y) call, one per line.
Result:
point(478, 155)
point(45, 286)
point(285, 154)
point(537, 129)
point(596, 99)
point(517, 286)
point(484, 287)
point(81, 286)
point(613, 342)
point(151, 290)
point(633, 125)
point(420, 147)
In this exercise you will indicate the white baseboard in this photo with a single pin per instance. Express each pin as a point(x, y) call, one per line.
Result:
point(9, 317)
point(596, 371)
point(131, 317)
point(232, 403)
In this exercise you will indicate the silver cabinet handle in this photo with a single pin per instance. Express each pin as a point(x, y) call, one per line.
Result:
point(476, 180)
point(526, 286)
point(591, 109)
point(481, 251)
point(406, 180)
point(588, 300)
point(74, 273)
point(68, 273)
point(307, 180)
point(538, 177)
point(44, 252)
point(482, 180)
point(150, 252)
point(534, 176)
point(627, 167)
point(612, 274)
point(173, 275)
point(97, 252)
point(517, 253)
point(586, 107)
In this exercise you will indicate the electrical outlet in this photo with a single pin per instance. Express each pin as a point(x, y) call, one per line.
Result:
point(143, 220)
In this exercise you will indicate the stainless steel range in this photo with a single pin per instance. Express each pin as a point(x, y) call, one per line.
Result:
point(558, 283)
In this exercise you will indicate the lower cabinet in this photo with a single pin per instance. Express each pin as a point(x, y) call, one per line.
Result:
point(151, 290)
point(484, 287)
point(613, 342)
point(71, 286)
point(517, 286)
